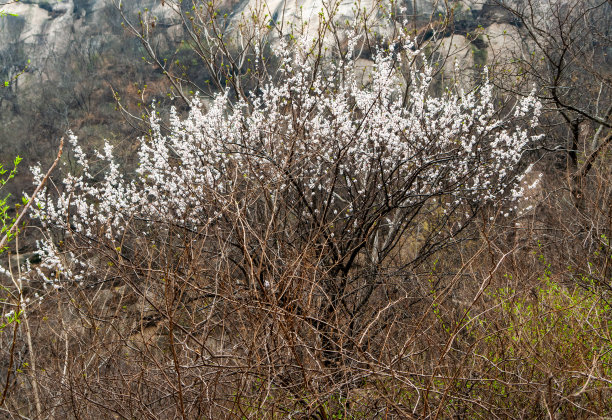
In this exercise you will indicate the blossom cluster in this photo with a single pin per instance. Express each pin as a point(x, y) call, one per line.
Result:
point(321, 139)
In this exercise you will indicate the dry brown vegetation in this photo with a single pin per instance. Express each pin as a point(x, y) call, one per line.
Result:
point(259, 317)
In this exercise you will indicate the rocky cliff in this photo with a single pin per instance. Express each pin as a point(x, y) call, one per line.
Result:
point(46, 30)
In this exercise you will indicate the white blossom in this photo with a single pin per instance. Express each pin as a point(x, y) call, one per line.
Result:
point(322, 138)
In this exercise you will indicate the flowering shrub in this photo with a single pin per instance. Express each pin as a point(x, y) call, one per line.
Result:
point(318, 240)
point(348, 165)
point(271, 242)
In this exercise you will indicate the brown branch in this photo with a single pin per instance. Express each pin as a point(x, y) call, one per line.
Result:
point(11, 358)
point(588, 164)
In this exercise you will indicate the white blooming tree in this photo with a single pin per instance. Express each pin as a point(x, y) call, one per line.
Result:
point(313, 199)
point(344, 161)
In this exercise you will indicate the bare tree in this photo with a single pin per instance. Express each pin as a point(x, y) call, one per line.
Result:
point(564, 51)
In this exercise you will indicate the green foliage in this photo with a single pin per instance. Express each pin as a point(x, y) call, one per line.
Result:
point(556, 341)
point(7, 221)
point(9, 319)
point(3, 14)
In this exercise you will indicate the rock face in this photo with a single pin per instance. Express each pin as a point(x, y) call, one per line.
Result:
point(44, 30)
point(47, 29)
point(294, 11)
point(39, 31)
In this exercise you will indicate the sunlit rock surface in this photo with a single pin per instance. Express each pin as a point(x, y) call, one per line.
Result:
point(48, 28)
